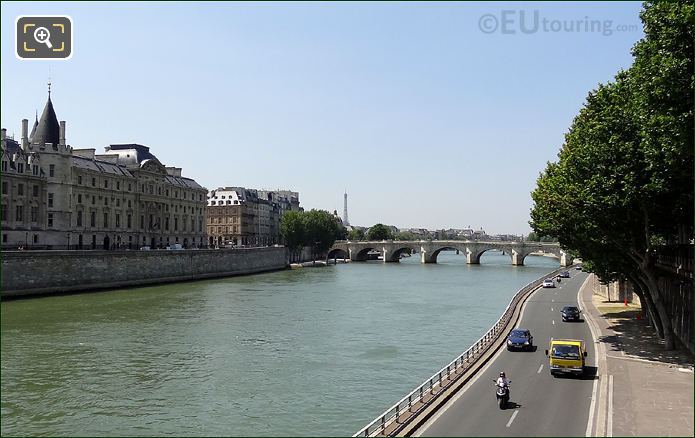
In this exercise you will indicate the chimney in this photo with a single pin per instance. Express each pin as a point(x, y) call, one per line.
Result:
point(62, 132)
point(25, 134)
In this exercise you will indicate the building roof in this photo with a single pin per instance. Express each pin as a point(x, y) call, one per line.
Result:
point(48, 129)
point(131, 153)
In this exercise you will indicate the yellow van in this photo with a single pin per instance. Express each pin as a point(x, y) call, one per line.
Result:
point(566, 356)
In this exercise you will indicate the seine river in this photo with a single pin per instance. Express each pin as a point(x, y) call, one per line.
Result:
point(297, 352)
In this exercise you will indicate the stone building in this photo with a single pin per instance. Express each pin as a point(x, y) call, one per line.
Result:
point(238, 216)
point(54, 196)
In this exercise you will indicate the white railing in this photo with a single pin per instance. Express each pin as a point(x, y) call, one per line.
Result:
point(442, 379)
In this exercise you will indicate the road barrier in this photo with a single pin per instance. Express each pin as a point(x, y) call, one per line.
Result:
point(390, 423)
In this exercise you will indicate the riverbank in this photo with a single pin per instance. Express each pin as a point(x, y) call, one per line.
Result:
point(28, 273)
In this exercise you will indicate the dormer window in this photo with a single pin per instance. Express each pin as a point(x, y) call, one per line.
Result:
point(20, 167)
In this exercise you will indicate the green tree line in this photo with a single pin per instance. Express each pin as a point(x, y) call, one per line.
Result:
point(317, 229)
point(623, 182)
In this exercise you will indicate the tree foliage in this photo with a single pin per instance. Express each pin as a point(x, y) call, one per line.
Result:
point(317, 229)
point(379, 232)
point(356, 234)
point(624, 175)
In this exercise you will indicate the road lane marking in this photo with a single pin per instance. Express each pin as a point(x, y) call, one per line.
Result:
point(540, 368)
point(509, 423)
point(553, 322)
point(551, 309)
point(552, 301)
point(609, 426)
point(597, 352)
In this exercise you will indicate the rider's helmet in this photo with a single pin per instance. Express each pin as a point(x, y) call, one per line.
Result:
point(501, 373)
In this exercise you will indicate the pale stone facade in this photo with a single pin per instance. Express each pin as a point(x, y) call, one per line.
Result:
point(58, 197)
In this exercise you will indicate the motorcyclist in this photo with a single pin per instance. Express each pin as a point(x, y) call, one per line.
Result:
point(502, 380)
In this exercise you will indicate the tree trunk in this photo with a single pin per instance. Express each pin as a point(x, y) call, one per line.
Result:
point(648, 305)
point(652, 284)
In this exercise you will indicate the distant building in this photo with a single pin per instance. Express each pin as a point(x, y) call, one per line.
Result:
point(238, 216)
point(54, 196)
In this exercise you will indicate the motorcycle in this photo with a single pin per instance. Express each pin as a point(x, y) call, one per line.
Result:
point(502, 394)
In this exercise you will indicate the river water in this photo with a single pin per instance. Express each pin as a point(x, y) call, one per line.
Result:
point(298, 352)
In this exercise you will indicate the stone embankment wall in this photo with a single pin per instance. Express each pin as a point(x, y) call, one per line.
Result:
point(46, 272)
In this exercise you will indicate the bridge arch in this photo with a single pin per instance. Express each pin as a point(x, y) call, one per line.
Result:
point(337, 253)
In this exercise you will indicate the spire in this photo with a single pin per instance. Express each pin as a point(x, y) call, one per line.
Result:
point(47, 130)
point(36, 125)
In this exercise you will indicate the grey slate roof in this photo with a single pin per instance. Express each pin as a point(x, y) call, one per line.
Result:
point(48, 129)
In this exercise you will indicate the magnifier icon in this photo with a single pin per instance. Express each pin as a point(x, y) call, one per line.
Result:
point(42, 36)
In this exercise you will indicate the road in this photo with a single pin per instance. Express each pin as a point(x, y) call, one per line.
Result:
point(540, 405)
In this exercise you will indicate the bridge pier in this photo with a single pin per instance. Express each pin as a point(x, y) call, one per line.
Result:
point(472, 258)
point(426, 257)
point(517, 258)
point(390, 258)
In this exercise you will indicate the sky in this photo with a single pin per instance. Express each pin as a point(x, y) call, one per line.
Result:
point(432, 115)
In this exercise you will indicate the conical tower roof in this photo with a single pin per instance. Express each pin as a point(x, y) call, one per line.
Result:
point(48, 129)
point(36, 125)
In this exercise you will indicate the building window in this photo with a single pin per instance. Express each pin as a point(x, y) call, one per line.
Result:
point(3, 212)
point(4, 188)
point(166, 223)
point(94, 199)
point(35, 169)
point(4, 169)
point(4, 238)
point(36, 238)
point(118, 220)
point(142, 221)
point(94, 182)
point(151, 190)
point(20, 167)
point(106, 200)
point(20, 189)
point(79, 218)
point(50, 220)
point(35, 191)
point(93, 219)
point(176, 224)
point(106, 220)
point(50, 200)
point(106, 183)
point(130, 187)
point(51, 170)
point(79, 198)
point(129, 203)
point(79, 179)
point(118, 202)
point(130, 223)
point(118, 185)
point(142, 188)
point(34, 214)
point(167, 192)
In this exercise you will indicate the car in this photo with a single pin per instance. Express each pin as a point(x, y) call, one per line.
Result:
point(570, 313)
point(578, 268)
point(520, 339)
point(565, 274)
point(548, 282)
point(566, 356)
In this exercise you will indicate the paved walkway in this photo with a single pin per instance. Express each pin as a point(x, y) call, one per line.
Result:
point(652, 389)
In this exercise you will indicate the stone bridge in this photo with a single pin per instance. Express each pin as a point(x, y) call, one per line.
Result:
point(391, 250)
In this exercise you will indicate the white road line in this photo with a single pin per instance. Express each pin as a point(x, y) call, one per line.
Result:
point(540, 368)
point(551, 309)
point(552, 301)
point(609, 426)
point(553, 322)
point(597, 350)
point(509, 423)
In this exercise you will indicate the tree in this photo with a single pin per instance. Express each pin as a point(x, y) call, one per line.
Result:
point(356, 234)
point(623, 178)
point(379, 232)
point(321, 230)
point(533, 237)
point(293, 230)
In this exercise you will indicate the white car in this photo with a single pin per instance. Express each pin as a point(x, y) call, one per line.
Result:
point(548, 282)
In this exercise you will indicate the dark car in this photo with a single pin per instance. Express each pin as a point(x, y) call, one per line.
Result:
point(520, 339)
point(570, 313)
point(565, 274)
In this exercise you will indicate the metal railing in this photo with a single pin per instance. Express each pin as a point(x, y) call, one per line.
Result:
point(442, 379)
